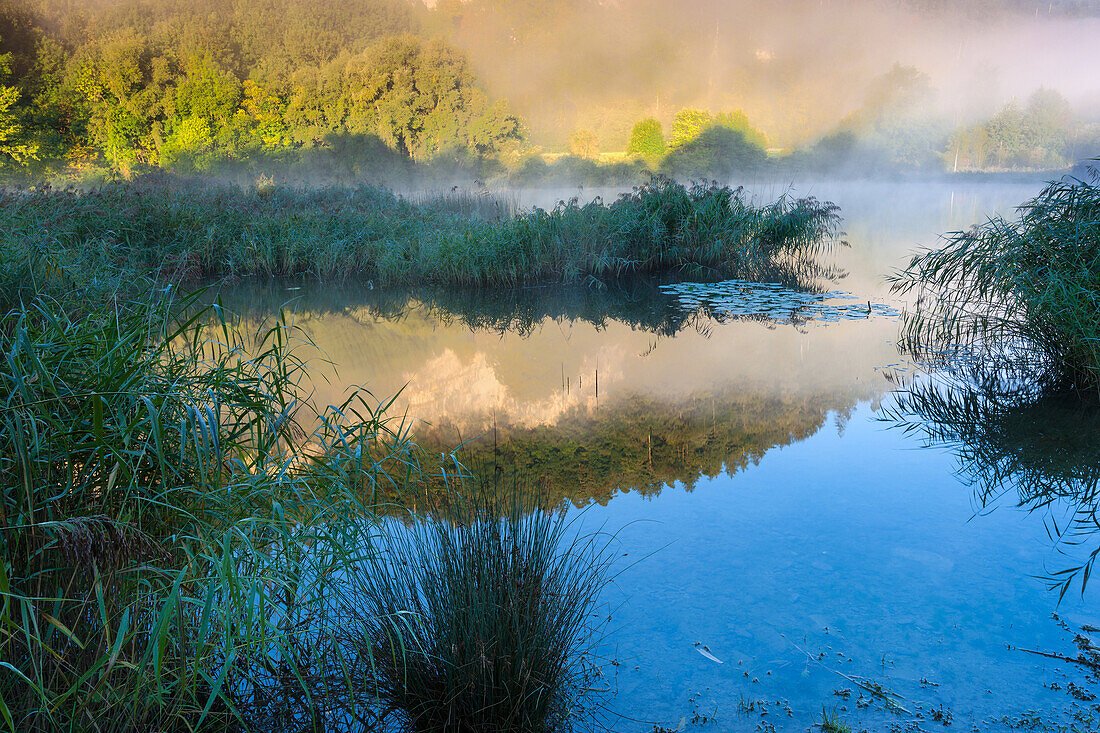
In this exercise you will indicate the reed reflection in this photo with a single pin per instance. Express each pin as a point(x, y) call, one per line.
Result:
point(1032, 447)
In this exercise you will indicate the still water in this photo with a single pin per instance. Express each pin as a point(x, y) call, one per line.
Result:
point(786, 545)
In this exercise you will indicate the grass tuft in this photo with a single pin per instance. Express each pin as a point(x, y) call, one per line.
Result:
point(480, 620)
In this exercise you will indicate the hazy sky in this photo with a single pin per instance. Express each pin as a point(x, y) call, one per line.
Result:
point(794, 64)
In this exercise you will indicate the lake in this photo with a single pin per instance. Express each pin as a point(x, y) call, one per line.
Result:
point(787, 545)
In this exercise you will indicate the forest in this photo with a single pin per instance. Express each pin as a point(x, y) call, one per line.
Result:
point(377, 89)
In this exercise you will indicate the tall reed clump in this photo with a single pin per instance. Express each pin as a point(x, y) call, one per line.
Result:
point(187, 232)
point(1024, 292)
point(481, 619)
point(171, 512)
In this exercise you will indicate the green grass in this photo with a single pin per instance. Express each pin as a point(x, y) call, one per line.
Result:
point(831, 722)
point(1023, 293)
point(65, 239)
point(483, 619)
point(166, 545)
point(188, 543)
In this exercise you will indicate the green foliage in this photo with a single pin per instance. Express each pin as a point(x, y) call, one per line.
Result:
point(647, 139)
point(1025, 292)
point(14, 145)
point(1035, 136)
point(197, 85)
point(477, 622)
point(713, 146)
point(738, 121)
point(185, 233)
point(717, 153)
point(893, 124)
point(688, 125)
point(160, 479)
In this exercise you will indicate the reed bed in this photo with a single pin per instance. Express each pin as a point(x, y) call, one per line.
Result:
point(1024, 292)
point(188, 543)
point(185, 232)
point(165, 543)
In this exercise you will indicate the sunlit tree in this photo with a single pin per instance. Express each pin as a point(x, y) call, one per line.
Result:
point(688, 125)
point(584, 144)
point(717, 153)
point(739, 122)
point(647, 139)
point(14, 146)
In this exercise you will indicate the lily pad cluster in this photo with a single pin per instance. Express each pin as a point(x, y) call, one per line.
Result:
point(773, 301)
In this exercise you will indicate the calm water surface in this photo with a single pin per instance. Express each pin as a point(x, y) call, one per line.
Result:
point(772, 513)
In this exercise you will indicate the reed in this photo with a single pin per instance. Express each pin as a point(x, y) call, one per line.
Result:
point(1017, 445)
point(1022, 292)
point(180, 233)
point(480, 620)
point(166, 539)
point(188, 543)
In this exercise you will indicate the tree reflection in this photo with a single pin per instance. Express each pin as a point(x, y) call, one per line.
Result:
point(637, 302)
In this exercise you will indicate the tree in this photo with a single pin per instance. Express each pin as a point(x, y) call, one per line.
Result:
point(422, 99)
point(739, 122)
point(1049, 122)
point(687, 125)
point(647, 139)
point(894, 124)
point(716, 153)
point(13, 143)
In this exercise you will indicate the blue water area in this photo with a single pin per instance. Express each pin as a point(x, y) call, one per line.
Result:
point(852, 553)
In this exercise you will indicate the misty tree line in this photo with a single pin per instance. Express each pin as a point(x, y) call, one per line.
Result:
point(348, 87)
point(892, 130)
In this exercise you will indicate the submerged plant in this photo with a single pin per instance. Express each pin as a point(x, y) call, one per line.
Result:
point(481, 619)
point(1025, 292)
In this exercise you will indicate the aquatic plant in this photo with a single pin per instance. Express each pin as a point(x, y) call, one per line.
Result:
point(1024, 293)
point(831, 722)
point(171, 512)
point(58, 239)
point(481, 619)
